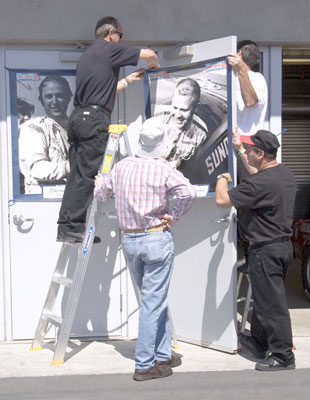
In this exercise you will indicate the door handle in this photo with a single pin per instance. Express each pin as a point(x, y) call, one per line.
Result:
point(224, 220)
point(18, 220)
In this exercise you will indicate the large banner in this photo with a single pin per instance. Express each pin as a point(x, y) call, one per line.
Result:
point(194, 101)
point(41, 102)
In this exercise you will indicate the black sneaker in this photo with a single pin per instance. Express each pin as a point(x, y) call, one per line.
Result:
point(272, 364)
point(250, 344)
point(74, 237)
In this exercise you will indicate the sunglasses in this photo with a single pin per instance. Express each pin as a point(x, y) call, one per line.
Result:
point(119, 33)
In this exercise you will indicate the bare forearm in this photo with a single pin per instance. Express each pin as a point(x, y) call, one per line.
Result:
point(150, 57)
point(135, 76)
point(248, 93)
point(221, 193)
point(121, 85)
point(240, 150)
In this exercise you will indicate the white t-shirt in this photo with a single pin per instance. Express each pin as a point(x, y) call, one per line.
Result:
point(251, 119)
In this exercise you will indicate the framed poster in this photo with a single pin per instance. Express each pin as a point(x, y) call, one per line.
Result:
point(41, 102)
point(194, 103)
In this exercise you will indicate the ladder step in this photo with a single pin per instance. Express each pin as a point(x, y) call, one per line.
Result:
point(73, 244)
point(52, 318)
point(62, 280)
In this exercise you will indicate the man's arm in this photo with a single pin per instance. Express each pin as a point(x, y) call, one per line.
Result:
point(238, 147)
point(103, 187)
point(221, 191)
point(152, 62)
point(248, 93)
point(133, 77)
point(150, 57)
point(185, 193)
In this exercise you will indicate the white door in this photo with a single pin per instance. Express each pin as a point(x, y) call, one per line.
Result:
point(32, 227)
point(202, 296)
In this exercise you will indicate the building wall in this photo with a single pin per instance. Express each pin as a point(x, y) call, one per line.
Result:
point(56, 23)
point(157, 21)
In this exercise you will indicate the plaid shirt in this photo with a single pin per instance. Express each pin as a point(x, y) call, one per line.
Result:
point(142, 187)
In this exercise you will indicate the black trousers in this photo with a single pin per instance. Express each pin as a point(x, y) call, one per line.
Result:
point(87, 136)
point(271, 323)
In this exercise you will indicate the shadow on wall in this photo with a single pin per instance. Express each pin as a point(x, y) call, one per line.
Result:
point(217, 317)
point(202, 295)
point(99, 301)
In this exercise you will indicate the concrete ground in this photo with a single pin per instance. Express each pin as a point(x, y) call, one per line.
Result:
point(109, 365)
point(117, 357)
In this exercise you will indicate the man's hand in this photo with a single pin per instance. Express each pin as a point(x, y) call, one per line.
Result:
point(237, 63)
point(227, 175)
point(238, 145)
point(150, 66)
point(166, 221)
point(248, 93)
point(135, 76)
point(98, 179)
point(150, 57)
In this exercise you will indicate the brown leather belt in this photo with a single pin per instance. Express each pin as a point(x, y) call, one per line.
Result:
point(146, 230)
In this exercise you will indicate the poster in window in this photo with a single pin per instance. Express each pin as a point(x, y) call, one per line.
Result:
point(41, 102)
point(194, 103)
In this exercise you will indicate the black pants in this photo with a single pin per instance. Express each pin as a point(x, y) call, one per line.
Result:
point(87, 136)
point(271, 323)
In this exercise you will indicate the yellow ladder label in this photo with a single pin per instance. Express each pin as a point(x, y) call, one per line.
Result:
point(117, 129)
point(107, 163)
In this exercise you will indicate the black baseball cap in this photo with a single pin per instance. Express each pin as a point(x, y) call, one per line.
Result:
point(263, 140)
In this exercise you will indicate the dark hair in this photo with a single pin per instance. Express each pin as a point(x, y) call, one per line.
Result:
point(270, 156)
point(104, 25)
point(58, 79)
point(249, 51)
point(192, 88)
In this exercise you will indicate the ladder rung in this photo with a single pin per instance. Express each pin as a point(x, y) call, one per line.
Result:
point(62, 280)
point(73, 244)
point(109, 215)
point(54, 319)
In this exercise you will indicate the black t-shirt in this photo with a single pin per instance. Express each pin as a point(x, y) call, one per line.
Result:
point(97, 72)
point(266, 204)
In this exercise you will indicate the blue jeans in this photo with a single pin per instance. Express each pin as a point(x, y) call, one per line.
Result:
point(150, 259)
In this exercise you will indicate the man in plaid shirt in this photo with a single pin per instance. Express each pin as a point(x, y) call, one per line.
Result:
point(142, 186)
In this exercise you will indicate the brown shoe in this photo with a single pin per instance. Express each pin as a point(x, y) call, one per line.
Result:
point(157, 371)
point(174, 361)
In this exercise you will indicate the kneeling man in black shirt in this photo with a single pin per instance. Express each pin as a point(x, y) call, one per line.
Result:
point(266, 203)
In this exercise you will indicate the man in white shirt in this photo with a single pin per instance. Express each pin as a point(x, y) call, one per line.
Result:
point(252, 92)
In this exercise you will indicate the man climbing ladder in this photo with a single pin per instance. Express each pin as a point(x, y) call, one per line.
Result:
point(96, 86)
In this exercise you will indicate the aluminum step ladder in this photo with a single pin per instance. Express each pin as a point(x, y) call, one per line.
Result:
point(64, 324)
